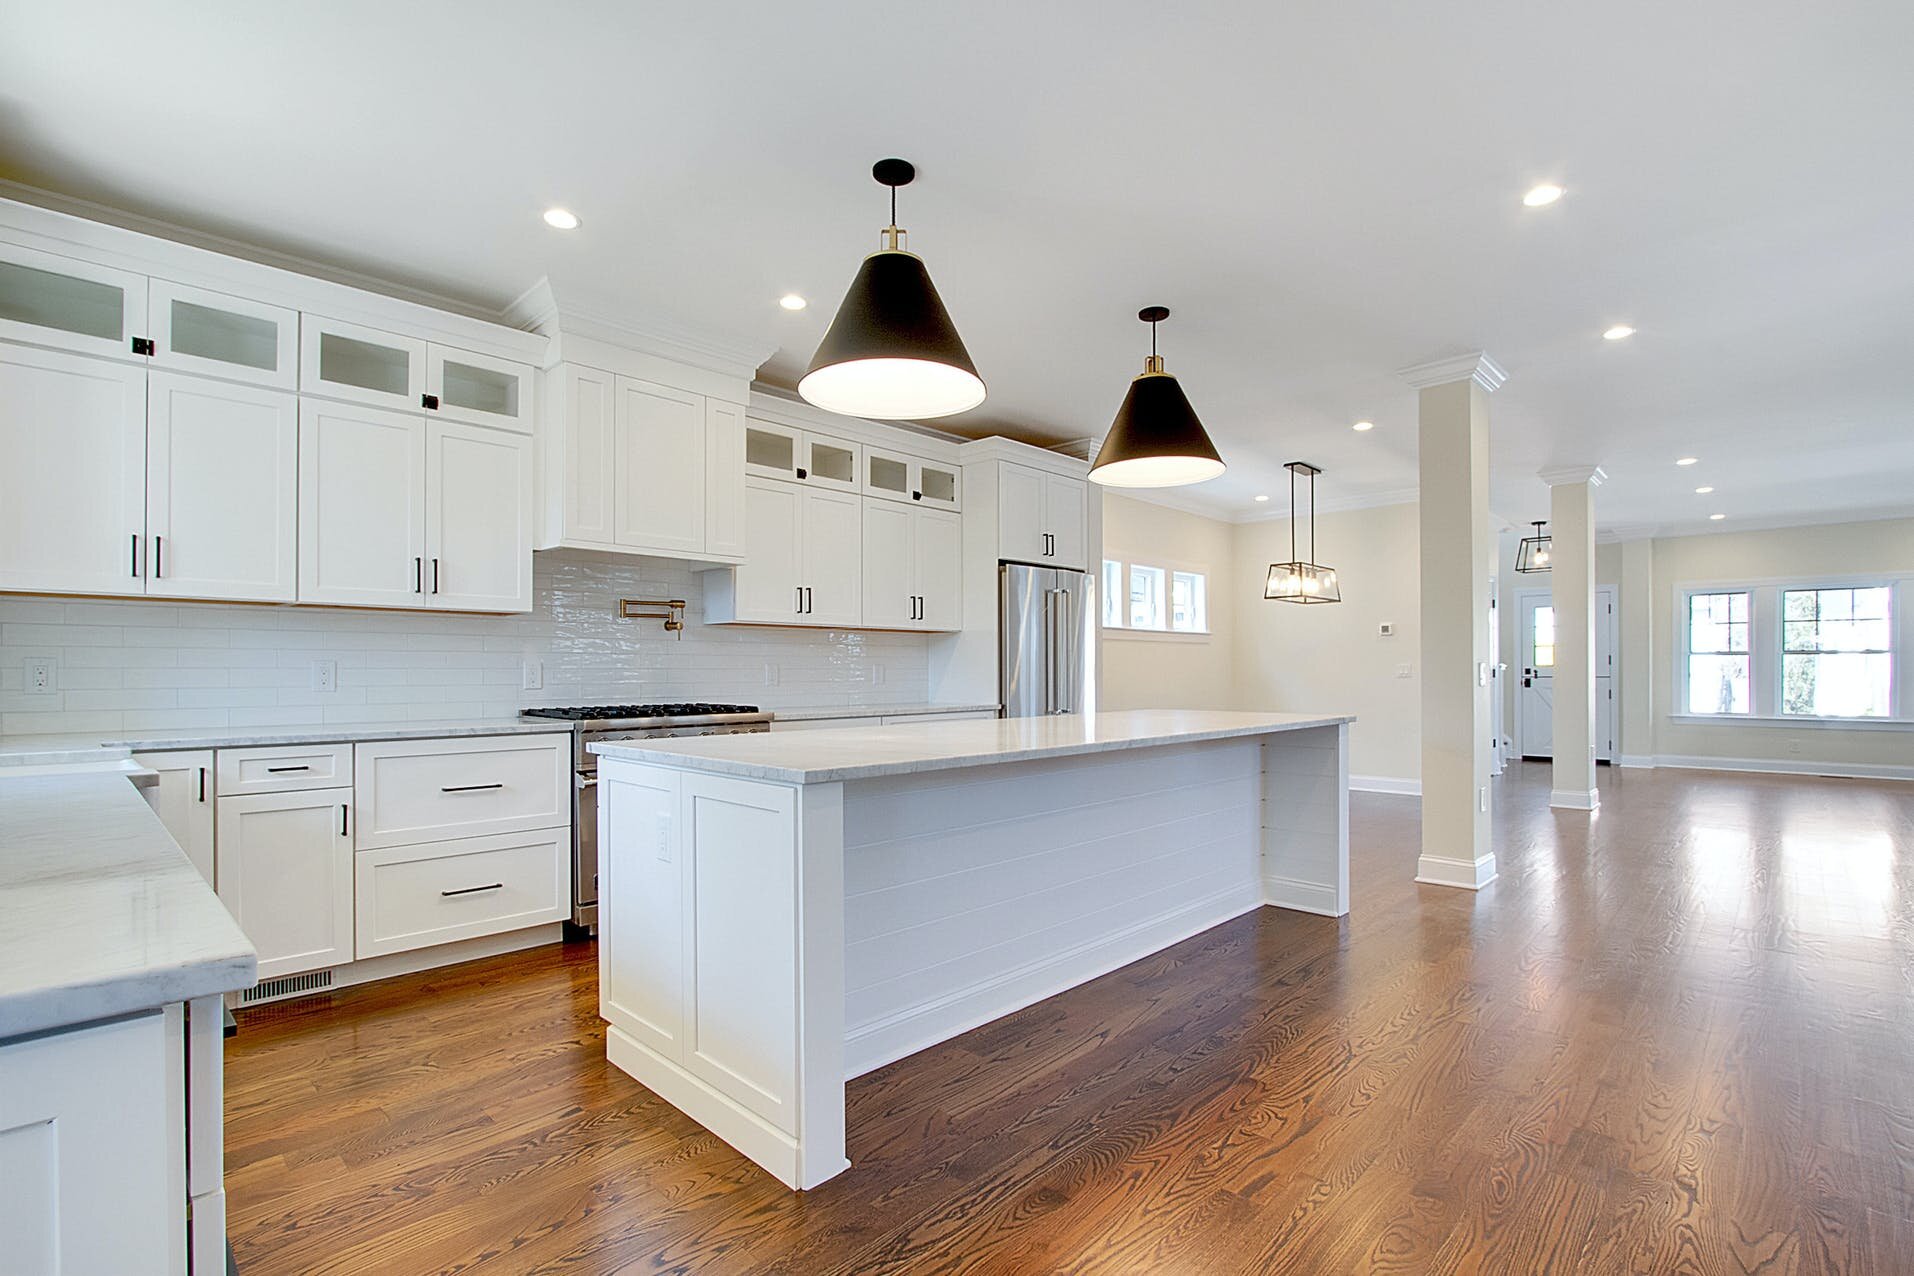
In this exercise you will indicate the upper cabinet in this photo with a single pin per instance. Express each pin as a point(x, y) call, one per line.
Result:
point(634, 466)
point(478, 389)
point(47, 300)
point(773, 450)
point(361, 365)
point(214, 335)
point(1040, 516)
point(899, 476)
point(806, 560)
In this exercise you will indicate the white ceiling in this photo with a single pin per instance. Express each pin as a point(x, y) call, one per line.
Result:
point(1322, 194)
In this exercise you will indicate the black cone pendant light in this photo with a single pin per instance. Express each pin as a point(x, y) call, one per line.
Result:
point(1156, 440)
point(892, 352)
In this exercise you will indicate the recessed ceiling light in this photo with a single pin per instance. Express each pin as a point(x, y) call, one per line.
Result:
point(1619, 332)
point(1262, 498)
point(1703, 491)
point(561, 219)
point(1363, 425)
point(791, 301)
point(1539, 196)
point(1687, 460)
point(1716, 518)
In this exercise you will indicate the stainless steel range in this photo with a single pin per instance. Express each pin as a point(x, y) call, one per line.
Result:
point(592, 723)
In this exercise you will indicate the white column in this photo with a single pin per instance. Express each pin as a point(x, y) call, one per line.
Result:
point(1634, 656)
point(1457, 549)
point(1572, 594)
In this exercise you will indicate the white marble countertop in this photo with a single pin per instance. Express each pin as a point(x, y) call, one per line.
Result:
point(860, 753)
point(101, 913)
point(820, 713)
point(15, 746)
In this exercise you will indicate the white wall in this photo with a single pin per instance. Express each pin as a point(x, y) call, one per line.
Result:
point(139, 665)
point(1300, 658)
point(1155, 671)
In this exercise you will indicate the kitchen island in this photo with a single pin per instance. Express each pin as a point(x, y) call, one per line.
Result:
point(780, 913)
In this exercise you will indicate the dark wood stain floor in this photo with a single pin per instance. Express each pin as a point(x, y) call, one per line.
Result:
point(1678, 1037)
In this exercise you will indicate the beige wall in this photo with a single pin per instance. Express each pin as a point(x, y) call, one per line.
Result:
point(1298, 658)
point(1160, 671)
point(1841, 550)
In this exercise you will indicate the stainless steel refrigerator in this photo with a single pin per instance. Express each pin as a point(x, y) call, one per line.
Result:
point(1042, 612)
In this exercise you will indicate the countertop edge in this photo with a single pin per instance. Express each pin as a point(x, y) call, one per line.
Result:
point(66, 1007)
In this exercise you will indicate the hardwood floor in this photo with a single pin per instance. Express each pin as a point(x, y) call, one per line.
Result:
point(1677, 1037)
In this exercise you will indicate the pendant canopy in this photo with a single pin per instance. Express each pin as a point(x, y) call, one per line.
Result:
point(1156, 440)
point(1532, 555)
point(1299, 580)
point(891, 352)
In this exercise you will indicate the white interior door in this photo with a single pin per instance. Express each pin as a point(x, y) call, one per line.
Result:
point(1535, 691)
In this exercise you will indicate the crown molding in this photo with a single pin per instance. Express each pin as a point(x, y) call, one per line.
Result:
point(1474, 366)
point(997, 447)
point(540, 308)
point(1557, 475)
point(1675, 531)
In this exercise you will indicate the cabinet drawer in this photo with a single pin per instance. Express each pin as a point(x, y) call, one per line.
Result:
point(412, 791)
point(283, 768)
point(415, 896)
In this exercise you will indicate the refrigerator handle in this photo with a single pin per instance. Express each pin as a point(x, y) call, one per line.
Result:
point(1049, 651)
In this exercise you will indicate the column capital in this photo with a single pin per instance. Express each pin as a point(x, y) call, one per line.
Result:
point(1557, 475)
point(1475, 366)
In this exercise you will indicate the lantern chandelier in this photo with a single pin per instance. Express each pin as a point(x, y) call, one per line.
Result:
point(1532, 555)
point(1300, 580)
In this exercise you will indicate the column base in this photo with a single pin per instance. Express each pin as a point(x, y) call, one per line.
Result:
point(1473, 875)
point(1575, 799)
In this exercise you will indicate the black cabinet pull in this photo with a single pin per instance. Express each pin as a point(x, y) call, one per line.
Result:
point(435, 575)
point(467, 788)
point(418, 575)
point(136, 556)
point(202, 784)
point(917, 496)
point(429, 401)
point(797, 607)
point(803, 473)
point(810, 602)
point(159, 559)
point(473, 890)
point(344, 828)
point(275, 770)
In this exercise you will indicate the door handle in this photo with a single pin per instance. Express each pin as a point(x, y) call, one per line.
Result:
point(468, 788)
point(587, 781)
point(1525, 682)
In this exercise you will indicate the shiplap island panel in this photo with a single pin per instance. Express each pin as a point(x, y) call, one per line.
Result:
point(782, 912)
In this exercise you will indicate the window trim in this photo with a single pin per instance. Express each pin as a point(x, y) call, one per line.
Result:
point(1767, 641)
point(1170, 568)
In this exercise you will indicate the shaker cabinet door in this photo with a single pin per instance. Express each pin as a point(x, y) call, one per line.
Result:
point(361, 506)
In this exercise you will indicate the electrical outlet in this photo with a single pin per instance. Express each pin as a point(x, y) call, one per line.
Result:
point(877, 675)
point(1386, 629)
point(532, 676)
point(325, 675)
point(1482, 797)
point(664, 838)
point(43, 676)
point(1405, 671)
point(770, 674)
point(1794, 747)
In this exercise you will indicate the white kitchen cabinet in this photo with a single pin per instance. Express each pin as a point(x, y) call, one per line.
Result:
point(222, 489)
point(772, 451)
point(579, 476)
point(802, 456)
point(429, 893)
point(805, 560)
point(73, 481)
point(478, 389)
point(360, 365)
point(48, 300)
point(283, 768)
point(724, 479)
point(213, 335)
point(658, 440)
point(478, 518)
point(285, 874)
point(913, 564)
point(899, 476)
point(832, 548)
point(361, 506)
point(183, 800)
point(412, 791)
point(93, 1149)
point(1040, 517)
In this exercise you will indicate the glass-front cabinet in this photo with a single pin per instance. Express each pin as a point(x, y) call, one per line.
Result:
point(782, 452)
point(215, 335)
point(360, 365)
point(898, 476)
point(462, 386)
point(47, 300)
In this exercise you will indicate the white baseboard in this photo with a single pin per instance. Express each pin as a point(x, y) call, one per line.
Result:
point(1385, 784)
point(1472, 875)
point(1787, 766)
point(872, 1045)
point(417, 959)
point(1303, 897)
point(1636, 761)
point(1575, 799)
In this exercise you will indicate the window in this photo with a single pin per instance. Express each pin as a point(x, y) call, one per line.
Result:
point(1837, 652)
point(1112, 594)
point(1545, 637)
point(1718, 653)
point(1189, 602)
point(1146, 597)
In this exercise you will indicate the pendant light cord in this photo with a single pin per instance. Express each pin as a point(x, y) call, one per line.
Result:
point(1312, 518)
point(1292, 518)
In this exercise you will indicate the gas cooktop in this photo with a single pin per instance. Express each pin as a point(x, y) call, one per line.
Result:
point(620, 712)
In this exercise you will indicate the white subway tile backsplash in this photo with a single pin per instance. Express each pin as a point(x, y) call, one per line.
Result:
point(137, 665)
